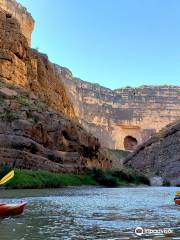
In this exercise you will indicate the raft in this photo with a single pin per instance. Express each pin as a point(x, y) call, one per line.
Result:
point(177, 198)
point(7, 210)
point(177, 201)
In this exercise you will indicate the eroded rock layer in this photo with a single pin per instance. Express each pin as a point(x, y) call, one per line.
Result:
point(31, 133)
point(24, 18)
point(39, 138)
point(160, 155)
point(27, 68)
point(123, 118)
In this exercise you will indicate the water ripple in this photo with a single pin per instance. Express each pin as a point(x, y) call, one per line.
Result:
point(92, 213)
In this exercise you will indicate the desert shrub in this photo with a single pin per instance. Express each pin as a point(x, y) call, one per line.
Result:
point(113, 178)
point(144, 180)
point(137, 177)
point(40, 105)
point(108, 181)
point(103, 177)
point(122, 175)
point(166, 183)
point(8, 115)
point(118, 153)
point(23, 99)
point(41, 179)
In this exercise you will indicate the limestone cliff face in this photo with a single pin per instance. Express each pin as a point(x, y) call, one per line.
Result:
point(123, 118)
point(160, 155)
point(38, 126)
point(24, 18)
point(27, 68)
point(39, 138)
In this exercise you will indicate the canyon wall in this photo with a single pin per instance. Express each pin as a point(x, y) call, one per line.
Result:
point(28, 68)
point(24, 18)
point(38, 125)
point(159, 157)
point(37, 137)
point(122, 118)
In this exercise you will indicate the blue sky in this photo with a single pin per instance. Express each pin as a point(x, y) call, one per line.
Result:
point(115, 43)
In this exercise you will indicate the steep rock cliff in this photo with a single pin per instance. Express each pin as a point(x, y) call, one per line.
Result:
point(38, 126)
point(27, 68)
point(39, 138)
point(123, 118)
point(160, 155)
point(24, 18)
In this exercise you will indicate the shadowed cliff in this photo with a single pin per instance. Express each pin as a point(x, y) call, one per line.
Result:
point(160, 155)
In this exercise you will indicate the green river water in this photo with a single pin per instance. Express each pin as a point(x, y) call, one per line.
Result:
point(92, 213)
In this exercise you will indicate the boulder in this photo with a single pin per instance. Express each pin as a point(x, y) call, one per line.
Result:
point(7, 93)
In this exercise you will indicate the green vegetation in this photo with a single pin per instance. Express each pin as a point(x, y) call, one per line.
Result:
point(118, 153)
point(132, 176)
point(23, 99)
point(40, 105)
point(41, 179)
point(8, 115)
point(5, 84)
point(166, 183)
point(103, 177)
point(95, 177)
point(117, 178)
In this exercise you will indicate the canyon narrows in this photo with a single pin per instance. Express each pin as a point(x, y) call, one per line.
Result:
point(62, 123)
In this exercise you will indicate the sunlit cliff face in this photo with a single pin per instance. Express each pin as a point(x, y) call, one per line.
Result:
point(123, 118)
point(38, 126)
point(20, 13)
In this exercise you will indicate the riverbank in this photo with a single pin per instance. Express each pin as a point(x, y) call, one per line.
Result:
point(26, 179)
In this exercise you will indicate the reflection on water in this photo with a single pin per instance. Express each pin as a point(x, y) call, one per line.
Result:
point(91, 213)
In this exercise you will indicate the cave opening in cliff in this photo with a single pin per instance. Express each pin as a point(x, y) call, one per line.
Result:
point(130, 143)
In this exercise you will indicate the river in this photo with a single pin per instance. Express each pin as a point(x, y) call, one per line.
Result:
point(92, 213)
